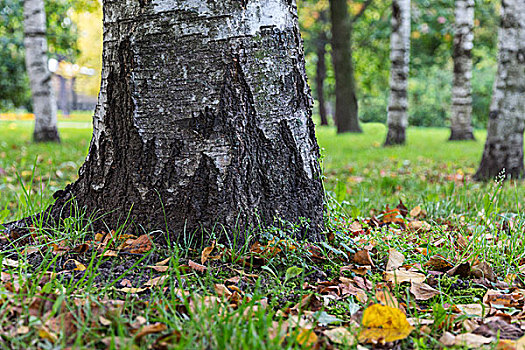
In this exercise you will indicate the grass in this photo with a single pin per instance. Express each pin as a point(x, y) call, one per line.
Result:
point(68, 288)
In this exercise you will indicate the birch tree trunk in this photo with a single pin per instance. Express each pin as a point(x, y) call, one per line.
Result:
point(504, 144)
point(397, 118)
point(346, 107)
point(203, 120)
point(461, 119)
point(35, 42)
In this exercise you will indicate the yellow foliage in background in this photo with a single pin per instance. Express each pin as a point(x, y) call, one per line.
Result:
point(90, 44)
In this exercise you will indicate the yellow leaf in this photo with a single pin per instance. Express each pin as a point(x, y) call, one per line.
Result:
point(307, 337)
point(384, 324)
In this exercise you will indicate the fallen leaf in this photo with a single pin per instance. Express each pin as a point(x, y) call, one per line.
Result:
point(78, 265)
point(306, 338)
point(400, 276)
point(483, 270)
point(465, 339)
point(132, 290)
point(418, 212)
point(418, 226)
point(150, 329)
point(197, 267)
point(140, 245)
point(340, 335)
point(494, 297)
point(423, 291)
point(159, 268)
point(46, 334)
point(384, 324)
point(395, 259)
point(504, 329)
point(206, 253)
point(472, 309)
point(438, 263)
point(362, 257)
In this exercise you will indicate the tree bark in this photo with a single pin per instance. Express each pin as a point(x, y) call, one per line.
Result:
point(321, 76)
point(346, 107)
point(35, 42)
point(461, 116)
point(203, 121)
point(397, 118)
point(504, 145)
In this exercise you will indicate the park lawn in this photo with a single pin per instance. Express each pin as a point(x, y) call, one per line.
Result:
point(457, 243)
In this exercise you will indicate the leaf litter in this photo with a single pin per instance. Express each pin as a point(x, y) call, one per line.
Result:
point(354, 290)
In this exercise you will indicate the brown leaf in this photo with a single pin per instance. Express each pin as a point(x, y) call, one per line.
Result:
point(506, 330)
point(418, 212)
point(163, 262)
point(438, 263)
point(126, 283)
point(465, 339)
point(483, 270)
point(197, 267)
point(462, 270)
point(140, 245)
point(206, 253)
point(472, 309)
point(400, 276)
point(423, 291)
point(395, 259)
point(419, 226)
point(159, 268)
point(150, 329)
point(493, 297)
point(362, 257)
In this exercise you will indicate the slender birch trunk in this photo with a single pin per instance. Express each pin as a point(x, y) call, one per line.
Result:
point(35, 42)
point(461, 119)
point(504, 145)
point(203, 121)
point(346, 107)
point(400, 58)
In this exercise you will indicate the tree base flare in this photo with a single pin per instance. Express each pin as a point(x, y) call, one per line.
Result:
point(395, 136)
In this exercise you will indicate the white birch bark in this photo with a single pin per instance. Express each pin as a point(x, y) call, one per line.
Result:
point(203, 121)
point(399, 58)
point(504, 144)
point(35, 42)
point(461, 119)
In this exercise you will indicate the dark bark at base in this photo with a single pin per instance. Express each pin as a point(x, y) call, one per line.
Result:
point(501, 160)
point(346, 106)
point(395, 136)
point(461, 135)
point(46, 135)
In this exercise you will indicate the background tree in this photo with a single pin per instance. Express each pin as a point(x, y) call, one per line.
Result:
point(504, 144)
point(460, 118)
point(346, 105)
point(399, 61)
point(198, 127)
point(320, 75)
point(35, 42)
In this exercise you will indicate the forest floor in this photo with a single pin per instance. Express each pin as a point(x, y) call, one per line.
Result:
point(416, 255)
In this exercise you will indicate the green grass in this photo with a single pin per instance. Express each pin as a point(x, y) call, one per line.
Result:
point(46, 303)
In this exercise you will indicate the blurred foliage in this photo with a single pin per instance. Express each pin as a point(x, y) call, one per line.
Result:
point(430, 81)
point(62, 37)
